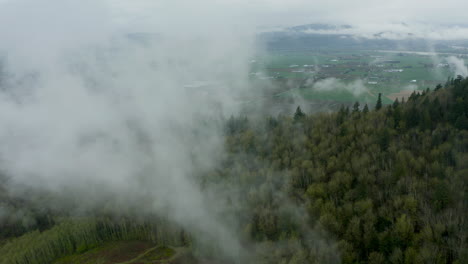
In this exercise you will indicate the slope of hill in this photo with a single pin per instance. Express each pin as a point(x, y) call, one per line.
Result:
point(387, 185)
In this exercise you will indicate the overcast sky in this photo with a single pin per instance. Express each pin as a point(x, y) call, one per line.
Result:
point(423, 17)
point(287, 12)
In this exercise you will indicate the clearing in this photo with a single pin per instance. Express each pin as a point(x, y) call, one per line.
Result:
point(128, 252)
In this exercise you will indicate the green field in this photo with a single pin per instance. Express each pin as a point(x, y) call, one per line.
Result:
point(380, 71)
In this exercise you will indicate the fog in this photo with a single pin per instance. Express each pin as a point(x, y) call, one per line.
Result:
point(395, 31)
point(101, 118)
point(356, 87)
point(119, 103)
point(458, 65)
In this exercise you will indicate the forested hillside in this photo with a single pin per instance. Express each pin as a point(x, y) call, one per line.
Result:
point(383, 184)
point(387, 185)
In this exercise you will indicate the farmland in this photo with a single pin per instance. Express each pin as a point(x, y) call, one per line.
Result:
point(387, 72)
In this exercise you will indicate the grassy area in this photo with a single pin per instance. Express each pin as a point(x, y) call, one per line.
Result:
point(158, 254)
point(90, 236)
point(339, 96)
point(122, 252)
point(381, 72)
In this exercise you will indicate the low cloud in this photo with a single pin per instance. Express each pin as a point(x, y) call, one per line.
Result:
point(356, 87)
point(458, 65)
point(99, 117)
point(396, 31)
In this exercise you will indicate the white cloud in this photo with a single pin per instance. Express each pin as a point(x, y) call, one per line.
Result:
point(356, 87)
point(87, 113)
point(458, 66)
point(398, 31)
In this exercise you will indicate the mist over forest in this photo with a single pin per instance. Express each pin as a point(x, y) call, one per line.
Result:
point(233, 132)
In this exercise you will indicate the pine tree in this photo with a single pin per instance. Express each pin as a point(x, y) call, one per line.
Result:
point(461, 122)
point(341, 115)
point(396, 103)
point(397, 117)
point(366, 109)
point(347, 111)
point(379, 102)
point(356, 107)
point(298, 115)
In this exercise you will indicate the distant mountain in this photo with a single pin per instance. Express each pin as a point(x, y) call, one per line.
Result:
point(143, 37)
point(322, 27)
point(313, 37)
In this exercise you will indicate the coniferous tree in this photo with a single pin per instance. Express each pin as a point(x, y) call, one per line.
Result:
point(461, 122)
point(366, 109)
point(298, 115)
point(341, 115)
point(396, 103)
point(378, 106)
point(347, 111)
point(356, 107)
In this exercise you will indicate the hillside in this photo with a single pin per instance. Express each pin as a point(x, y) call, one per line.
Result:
point(362, 185)
point(388, 185)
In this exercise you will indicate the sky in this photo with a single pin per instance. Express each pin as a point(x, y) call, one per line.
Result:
point(267, 13)
point(424, 18)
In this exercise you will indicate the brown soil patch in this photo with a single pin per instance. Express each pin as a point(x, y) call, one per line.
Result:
point(124, 251)
point(189, 259)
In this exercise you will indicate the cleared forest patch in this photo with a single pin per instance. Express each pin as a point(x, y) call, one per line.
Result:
point(114, 252)
point(130, 252)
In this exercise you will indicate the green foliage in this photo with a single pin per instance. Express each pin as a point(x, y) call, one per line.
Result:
point(79, 236)
point(378, 106)
point(356, 107)
point(366, 109)
point(385, 186)
point(298, 115)
point(389, 185)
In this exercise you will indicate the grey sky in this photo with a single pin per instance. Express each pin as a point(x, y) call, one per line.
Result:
point(287, 12)
point(425, 18)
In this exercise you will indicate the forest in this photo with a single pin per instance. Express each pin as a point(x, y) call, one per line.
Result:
point(367, 184)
